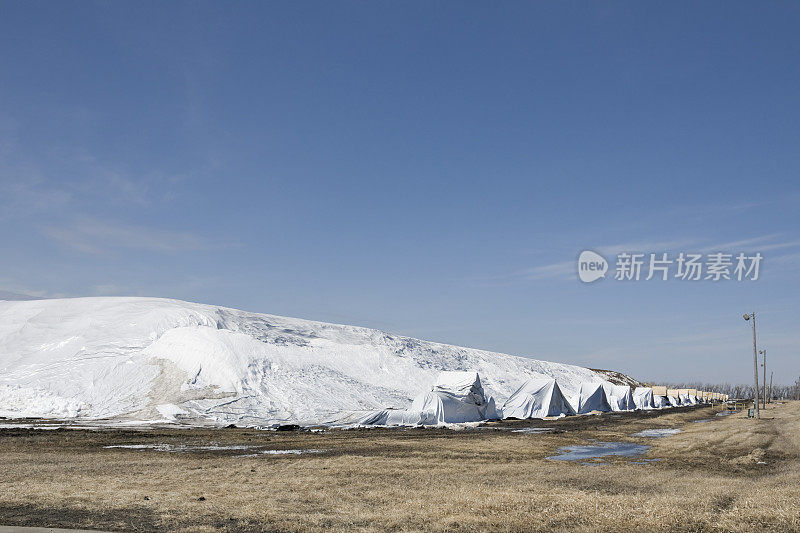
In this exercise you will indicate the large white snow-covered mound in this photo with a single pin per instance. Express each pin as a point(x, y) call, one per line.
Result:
point(157, 359)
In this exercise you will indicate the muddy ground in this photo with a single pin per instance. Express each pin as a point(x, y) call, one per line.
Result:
point(720, 473)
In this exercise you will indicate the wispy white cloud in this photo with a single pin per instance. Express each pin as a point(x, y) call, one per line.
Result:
point(64, 180)
point(566, 270)
point(563, 270)
point(758, 242)
point(712, 210)
point(643, 246)
point(106, 289)
point(29, 196)
point(92, 235)
point(118, 185)
point(778, 246)
point(12, 287)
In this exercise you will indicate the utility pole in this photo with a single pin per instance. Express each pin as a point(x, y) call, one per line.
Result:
point(764, 388)
point(755, 363)
point(770, 386)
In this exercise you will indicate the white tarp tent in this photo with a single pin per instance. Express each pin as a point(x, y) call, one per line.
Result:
point(661, 402)
point(673, 401)
point(643, 398)
point(460, 385)
point(537, 398)
point(619, 397)
point(456, 398)
point(685, 399)
point(590, 397)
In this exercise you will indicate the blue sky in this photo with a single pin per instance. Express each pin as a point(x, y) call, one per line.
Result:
point(430, 169)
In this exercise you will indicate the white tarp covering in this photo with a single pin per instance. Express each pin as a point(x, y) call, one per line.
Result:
point(590, 397)
point(124, 359)
point(661, 402)
point(456, 398)
point(619, 397)
point(685, 400)
point(643, 398)
point(673, 401)
point(537, 398)
point(460, 385)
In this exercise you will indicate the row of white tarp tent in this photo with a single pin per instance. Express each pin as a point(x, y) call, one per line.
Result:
point(537, 398)
point(647, 398)
point(456, 398)
point(619, 397)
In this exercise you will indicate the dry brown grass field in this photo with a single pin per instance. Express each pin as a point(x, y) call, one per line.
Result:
point(726, 474)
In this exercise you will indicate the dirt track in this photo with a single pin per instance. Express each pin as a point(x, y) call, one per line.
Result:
point(726, 474)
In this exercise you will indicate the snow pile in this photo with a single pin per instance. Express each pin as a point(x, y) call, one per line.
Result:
point(145, 359)
point(21, 402)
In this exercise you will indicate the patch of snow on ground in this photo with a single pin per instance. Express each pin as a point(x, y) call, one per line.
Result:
point(179, 447)
point(657, 433)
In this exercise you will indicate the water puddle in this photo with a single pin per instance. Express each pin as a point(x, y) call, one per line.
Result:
point(30, 426)
point(532, 430)
point(701, 421)
point(180, 447)
point(725, 413)
point(590, 455)
point(657, 433)
point(281, 452)
point(644, 461)
point(187, 448)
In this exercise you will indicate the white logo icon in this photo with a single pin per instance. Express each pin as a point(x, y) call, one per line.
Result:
point(591, 266)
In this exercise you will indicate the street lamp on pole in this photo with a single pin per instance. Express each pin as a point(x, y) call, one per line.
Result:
point(755, 362)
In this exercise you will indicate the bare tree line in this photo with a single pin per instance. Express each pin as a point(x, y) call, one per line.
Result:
point(735, 390)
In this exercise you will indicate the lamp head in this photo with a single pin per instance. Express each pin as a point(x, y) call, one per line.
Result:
point(746, 316)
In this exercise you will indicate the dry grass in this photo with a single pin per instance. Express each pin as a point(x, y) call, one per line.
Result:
point(708, 479)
